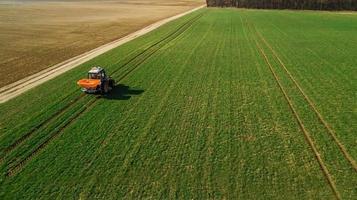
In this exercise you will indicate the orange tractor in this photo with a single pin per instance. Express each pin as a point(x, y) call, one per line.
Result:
point(97, 82)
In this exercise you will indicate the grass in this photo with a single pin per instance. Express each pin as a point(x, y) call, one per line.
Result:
point(223, 103)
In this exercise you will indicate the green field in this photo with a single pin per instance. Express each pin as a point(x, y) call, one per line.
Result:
point(220, 104)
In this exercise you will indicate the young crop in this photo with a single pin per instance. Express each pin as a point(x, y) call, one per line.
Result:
point(221, 104)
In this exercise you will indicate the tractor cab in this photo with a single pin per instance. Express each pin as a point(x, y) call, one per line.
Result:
point(97, 81)
point(97, 73)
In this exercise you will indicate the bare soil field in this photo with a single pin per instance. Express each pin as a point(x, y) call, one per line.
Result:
point(38, 34)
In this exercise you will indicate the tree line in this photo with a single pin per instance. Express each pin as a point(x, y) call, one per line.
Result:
point(287, 4)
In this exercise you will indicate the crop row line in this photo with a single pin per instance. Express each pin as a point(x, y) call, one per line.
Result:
point(312, 105)
point(306, 133)
point(178, 32)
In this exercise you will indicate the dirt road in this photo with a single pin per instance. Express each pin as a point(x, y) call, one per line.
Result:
point(12, 90)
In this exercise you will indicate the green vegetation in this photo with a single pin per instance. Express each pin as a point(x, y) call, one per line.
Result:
point(223, 103)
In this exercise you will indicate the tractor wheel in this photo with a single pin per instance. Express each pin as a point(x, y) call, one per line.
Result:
point(111, 83)
point(102, 88)
point(99, 89)
point(106, 88)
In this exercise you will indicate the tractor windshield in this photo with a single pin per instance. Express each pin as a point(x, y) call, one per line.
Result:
point(94, 76)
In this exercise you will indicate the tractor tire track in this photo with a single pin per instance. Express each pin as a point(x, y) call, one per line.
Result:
point(26, 136)
point(179, 31)
point(37, 150)
point(180, 28)
point(328, 128)
point(307, 135)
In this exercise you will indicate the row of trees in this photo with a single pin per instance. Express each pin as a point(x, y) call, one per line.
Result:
point(287, 4)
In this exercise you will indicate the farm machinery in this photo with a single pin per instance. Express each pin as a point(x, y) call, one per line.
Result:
point(97, 82)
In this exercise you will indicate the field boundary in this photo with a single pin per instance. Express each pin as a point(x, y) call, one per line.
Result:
point(15, 89)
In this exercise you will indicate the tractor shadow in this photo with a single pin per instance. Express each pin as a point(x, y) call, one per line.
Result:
point(122, 92)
